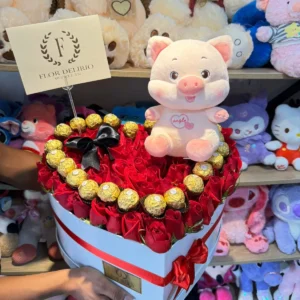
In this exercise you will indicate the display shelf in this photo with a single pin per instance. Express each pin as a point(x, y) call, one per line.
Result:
point(263, 175)
point(239, 254)
point(41, 264)
point(131, 72)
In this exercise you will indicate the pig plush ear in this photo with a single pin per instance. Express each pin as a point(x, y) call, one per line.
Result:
point(155, 45)
point(224, 45)
point(262, 4)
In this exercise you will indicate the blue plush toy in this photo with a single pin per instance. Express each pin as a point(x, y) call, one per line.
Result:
point(10, 127)
point(130, 113)
point(251, 18)
point(285, 227)
point(264, 275)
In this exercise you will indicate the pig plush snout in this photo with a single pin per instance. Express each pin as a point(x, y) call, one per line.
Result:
point(273, 278)
point(190, 85)
point(296, 7)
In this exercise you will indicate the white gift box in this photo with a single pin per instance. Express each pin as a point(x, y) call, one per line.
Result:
point(119, 258)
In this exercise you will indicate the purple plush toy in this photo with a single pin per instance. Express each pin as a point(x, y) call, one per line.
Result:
point(249, 122)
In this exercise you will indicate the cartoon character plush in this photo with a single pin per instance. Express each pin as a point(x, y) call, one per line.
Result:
point(5, 201)
point(244, 220)
point(10, 127)
point(249, 122)
point(188, 78)
point(286, 128)
point(286, 223)
point(217, 278)
point(263, 275)
point(283, 34)
point(232, 6)
point(290, 285)
point(38, 124)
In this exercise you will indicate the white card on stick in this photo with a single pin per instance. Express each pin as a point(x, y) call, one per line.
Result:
point(50, 54)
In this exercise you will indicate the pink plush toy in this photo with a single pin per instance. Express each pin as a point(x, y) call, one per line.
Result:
point(38, 124)
point(244, 219)
point(283, 34)
point(188, 78)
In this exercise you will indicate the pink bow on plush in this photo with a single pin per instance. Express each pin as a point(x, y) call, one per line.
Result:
point(30, 211)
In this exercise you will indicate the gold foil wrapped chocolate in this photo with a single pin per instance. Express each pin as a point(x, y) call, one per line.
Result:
point(53, 145)
point(54, 157)
point(66, 166)
point(155, 205)
point(108, 192)
point(216, 160)
point(175, 198)
point(203, 169)
point(223, 149)
point(88, 190)
point(76, 178)
point(112, 120)
point(128, 200)
point(194, 184)
point(148, 125)
point(62, 131)
point(78, 124)
point(130, 129)
point(93, 121)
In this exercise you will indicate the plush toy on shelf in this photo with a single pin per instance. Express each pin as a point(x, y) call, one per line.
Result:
point(244, 220)
point(5, 201)
point(283, 34)
point(187, 117)
point(286, 223)
point(217, 278)
point(38, 124)
point(249, 122)
point(263, 275)
point(38, 223)
point(286, 129)
point(232, 6)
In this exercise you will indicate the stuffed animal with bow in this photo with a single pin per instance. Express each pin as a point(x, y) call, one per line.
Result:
point(38, 124)
point(244, 220)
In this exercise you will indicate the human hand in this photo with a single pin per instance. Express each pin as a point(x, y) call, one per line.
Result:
point(89, 284)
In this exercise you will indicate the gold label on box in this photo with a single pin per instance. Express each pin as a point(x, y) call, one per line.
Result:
point(123, 277)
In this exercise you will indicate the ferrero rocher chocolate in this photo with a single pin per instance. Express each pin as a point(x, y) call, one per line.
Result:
point(93, 121)
point(216, 160)
point(54, 157)
point(148, 125)
point(223, 149)
point(88, 190)
point(66, 166)
point(203, 169)
point(108, 192)
point(194, 184)
point(175, 198)
point(155, 205)
point(76, 178)
point(78, 124)
point(130, 129)
point(53, 145)
point(112, 120)
point(62, 131)
point(128, 200)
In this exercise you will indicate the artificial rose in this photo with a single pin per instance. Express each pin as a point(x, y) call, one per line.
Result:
point(207, 207)
point(80, 209)
point(132, 226)
point(103, 175)
point(194, 215)
point(230, 178)
point(147, 219)
point(45, 176)
point(98, 215)
point(174, 223)
point(214, 188)
point(64, 195)
point(177, 173)
point(227, 133)
point(157, 238)
point(114, 224)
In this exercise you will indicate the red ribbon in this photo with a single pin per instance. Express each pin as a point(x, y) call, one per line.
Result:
point(193, 257)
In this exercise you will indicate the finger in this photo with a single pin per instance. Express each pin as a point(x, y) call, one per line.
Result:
point(114, 292)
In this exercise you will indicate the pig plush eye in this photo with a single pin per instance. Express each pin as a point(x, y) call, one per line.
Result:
point(205, 74)
point(165, 34)
point(287, 130)
point(174, 75)
point(154, 32)
point(35, 121)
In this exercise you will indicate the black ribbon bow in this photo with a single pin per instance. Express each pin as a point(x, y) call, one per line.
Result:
point(106, 137)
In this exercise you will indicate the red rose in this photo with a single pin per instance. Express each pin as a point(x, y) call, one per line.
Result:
point(132, 225)
point(98, 215)
point(177, 172)
point(114, 220)
point(64, 195)
point(45, 176)
point(207, 207)
point(227, 133)
point(194, 214)
point(230, 179)
point(157, 238)
point(214, 188)
point(147, 219)
point(174, 223)
point(80, 209)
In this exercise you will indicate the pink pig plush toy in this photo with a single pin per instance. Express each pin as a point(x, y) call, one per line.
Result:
point(283, 34)
point(188, 78)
